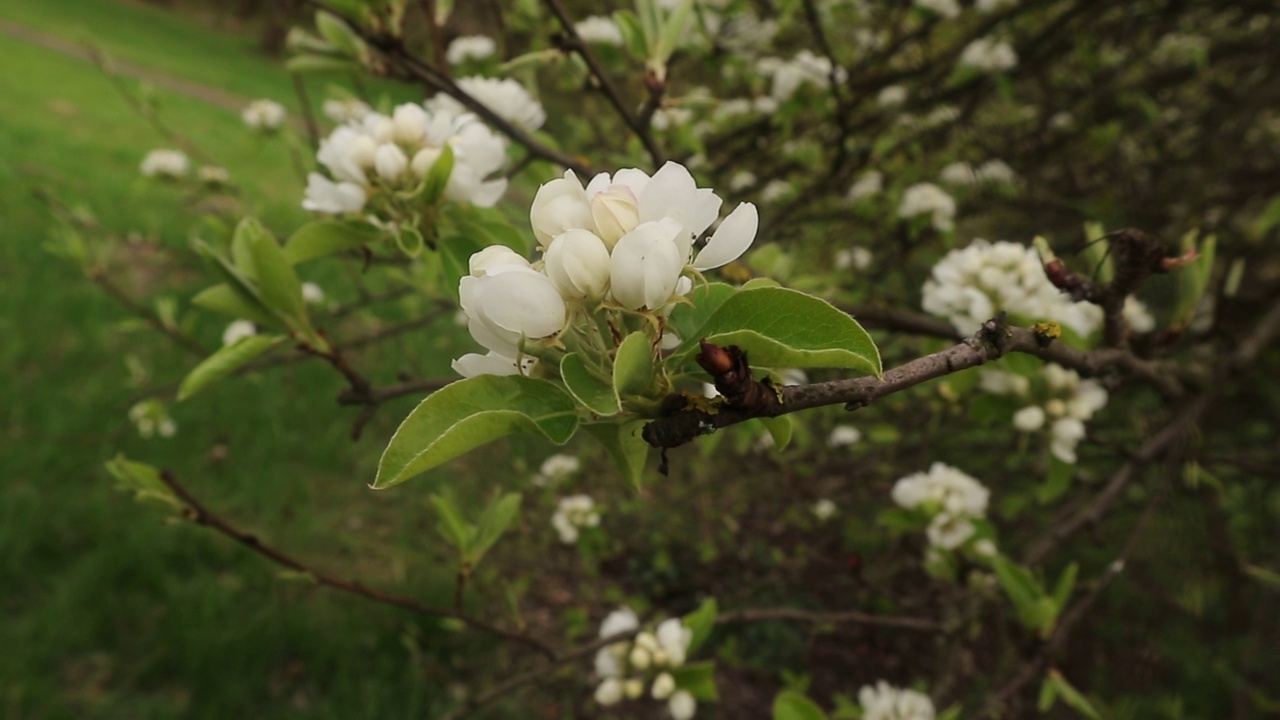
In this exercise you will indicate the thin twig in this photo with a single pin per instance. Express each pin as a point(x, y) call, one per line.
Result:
point(183, 340)
point(196, 512)
point(752, 615)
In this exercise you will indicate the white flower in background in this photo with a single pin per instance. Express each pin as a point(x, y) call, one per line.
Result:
point(1062, 120)
point(824, 509)
point(928, 199)
point(946, 8)
point(151, 418)
point(843, 436)
point(507, 98)
point(345, 111)
point(572, 514)
point(985, 547)
point(395, 153)
point(1137, 315)
point(857, 258)
point(665, 118)
point(986, 6)
point(996, 172)
point(312, 293)
point(673, 643)
point(742, 180)
point(970, 285)
point(556, 469)
point(951, 498)
point(789, 75)
point(882, 701)
point(682, 705)
point(867, 185)
point(663, 686)
point(263, 115)
point(1058, 398)
point(599, 29)
point(470, 47)
point(165, 163)
point(238, 330)
point(609, 692)
point(775, 190)
point(1180, 49)
point(730, 109)
point(745, 32)
point(958, 173)
point(989, 55)
point(892, 96)
point(213, 175)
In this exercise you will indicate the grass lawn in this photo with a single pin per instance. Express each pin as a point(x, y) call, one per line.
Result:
point(109, 611)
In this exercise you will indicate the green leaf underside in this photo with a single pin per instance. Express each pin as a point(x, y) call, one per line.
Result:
point(624, 444)
point(469, 413)
point(278, 285)
point(780, 429)
point(787, 328)
point(633, 365)
point(791, 705)
point(594, 393)
point(225, 361)
point(224, 299)
point(698, 679)
point(700, 622)
point(326, 237)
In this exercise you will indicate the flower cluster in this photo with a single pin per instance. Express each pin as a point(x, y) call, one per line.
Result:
point(843, 436)
point(151, 417)
point(507, 99)
point(572, 514)
point(165, 163)
point(372, 159)
point(789, 75)
point(989, 55)
point(599, 29)
point(625, 668)
point(556, 469)
point(263, 115)
point(991, 172)
point(623, 241)
point(968, 286)
point(470, 47)
point(928, 199)
point(1058, 398)
point(882, 701)
point(951, 498)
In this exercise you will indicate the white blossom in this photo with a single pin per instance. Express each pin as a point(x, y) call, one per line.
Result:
point(312, 293)
point(572, 514)
point(857, 258)
point(892, 96)
point(775, 190)
point(599, 29)
point(557, 469)
point(882, 701)
point(213, 175)
point(470, 47)
point(609, 692)
point(238, 330)
point(987, 6)
point(949, 531)
point(507, 98)
point(165, 163)
point(868, 184)
point(823, 509)
point(264, 115)
point(663, 686)
point(789, 75)
point(843, 436)
point(682, 705)
point(345, 111)
point(509, 303)
point(928, 199)
point(1029, 419)
point(989, 55)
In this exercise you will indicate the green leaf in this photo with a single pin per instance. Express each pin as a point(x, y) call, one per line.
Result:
point(1066, 583)
point(410, 241)
point(143, 481)
point(456, 531)
point(1072, 697)
point(304, 64)
point(780, 429)
point(632, 33)
point(624, 444)
point(699, 679)
point(1057, 482)
point(437, 178)
point(633, 365)
point(673, 30)
point(686, 319)
point(484, 231)
point(791, 705)
point(224, 299)
point(337, 33)
point(223, 362)
point(278, 285)
point(1048, 694)
point(701, 622)
point(786, 328)
point(1022, 589)
point(469, 413)
point(493, 522)
point(326, 237)
point(1262, 575)
point(595, 394)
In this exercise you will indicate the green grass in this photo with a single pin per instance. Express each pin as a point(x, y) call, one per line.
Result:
point(109, 611)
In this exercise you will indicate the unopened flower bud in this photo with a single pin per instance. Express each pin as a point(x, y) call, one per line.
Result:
point(390, 162)
point(615, 212)
point(633, 688)
point(663, 686)
point(424, 160)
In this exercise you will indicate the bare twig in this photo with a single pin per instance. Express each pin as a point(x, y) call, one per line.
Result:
point(183, 340)
point(196, 512)
point(752, 615)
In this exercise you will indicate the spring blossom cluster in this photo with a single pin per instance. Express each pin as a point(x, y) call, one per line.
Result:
point(625, 668)
point(624, 240)
point(951, 498)
point(928, 199)
point(573, 514)
point(165, 163)
point(882, 701)
point(263, 115)
point(1058, 398)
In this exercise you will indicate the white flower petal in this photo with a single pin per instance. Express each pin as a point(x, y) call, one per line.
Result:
point(731, 239)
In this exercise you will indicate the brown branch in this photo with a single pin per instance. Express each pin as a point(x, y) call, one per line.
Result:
point(751, 615)
point(196, 512)
point(186, 342)
point(638, 124)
